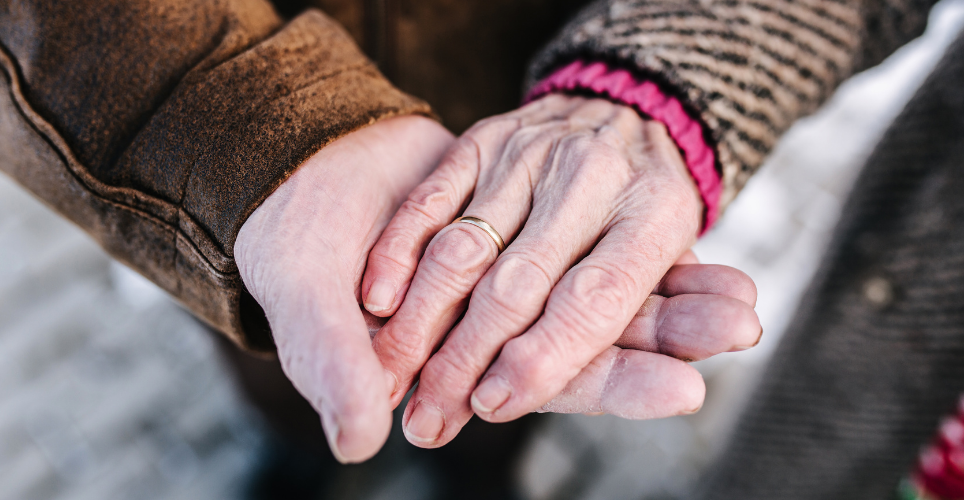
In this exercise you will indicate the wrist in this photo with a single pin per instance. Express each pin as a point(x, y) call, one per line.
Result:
point(650, 100)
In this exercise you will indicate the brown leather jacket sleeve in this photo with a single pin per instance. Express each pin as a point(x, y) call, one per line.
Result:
point(747, 69)
point(158, 126)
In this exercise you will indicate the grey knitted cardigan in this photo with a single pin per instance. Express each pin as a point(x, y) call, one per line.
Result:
point(860, 382)
point(857, 386)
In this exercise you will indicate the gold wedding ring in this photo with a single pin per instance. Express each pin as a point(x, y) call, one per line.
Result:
point(485, 226)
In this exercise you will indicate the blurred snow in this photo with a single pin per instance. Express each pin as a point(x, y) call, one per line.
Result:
point(108, 389)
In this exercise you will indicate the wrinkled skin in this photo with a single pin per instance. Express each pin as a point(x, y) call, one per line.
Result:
point(303, 252)
point(597, 204)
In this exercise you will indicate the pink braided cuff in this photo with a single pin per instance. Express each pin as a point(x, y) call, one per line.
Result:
point(647, 98)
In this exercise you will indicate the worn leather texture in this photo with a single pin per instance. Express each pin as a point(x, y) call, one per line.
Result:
point(158, 127)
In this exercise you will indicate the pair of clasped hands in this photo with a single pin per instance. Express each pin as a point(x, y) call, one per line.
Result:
point(595, 305)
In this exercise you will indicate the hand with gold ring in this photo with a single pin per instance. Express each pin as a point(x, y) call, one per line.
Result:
point(596, 205)
point(485, 226)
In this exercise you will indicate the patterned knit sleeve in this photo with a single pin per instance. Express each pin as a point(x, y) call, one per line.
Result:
point(746, 70)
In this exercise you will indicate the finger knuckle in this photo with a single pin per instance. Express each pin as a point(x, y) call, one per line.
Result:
point(432, 201)
point(405, 348)
point(395, 250)
point(461, 253)
point(596, 298)
point(448, 374)
point(517, 285)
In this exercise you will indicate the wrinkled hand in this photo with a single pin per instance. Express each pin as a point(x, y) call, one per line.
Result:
point(598, 205)
point(695, 312)
point(302, 253)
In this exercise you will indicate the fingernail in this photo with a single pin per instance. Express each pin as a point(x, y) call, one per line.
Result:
point(391, 381)
point(380, 296)
point(690, 412)
point(332, 431)
point(491, 394)
point(426, 423)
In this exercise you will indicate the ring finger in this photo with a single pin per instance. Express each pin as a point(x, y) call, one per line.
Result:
point(512, 295)
point(458, 256)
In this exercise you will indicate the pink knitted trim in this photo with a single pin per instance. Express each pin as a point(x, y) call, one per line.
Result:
point(647, 98)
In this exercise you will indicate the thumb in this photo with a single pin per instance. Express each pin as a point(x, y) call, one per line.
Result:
point(325, 350)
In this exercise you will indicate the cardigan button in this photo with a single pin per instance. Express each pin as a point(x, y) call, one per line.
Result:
point(878, 291)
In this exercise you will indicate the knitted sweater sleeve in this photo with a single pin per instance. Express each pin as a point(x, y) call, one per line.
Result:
point(745, 69)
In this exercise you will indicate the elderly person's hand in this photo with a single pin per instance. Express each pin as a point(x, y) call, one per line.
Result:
point(302, 253)
point(597, 204)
